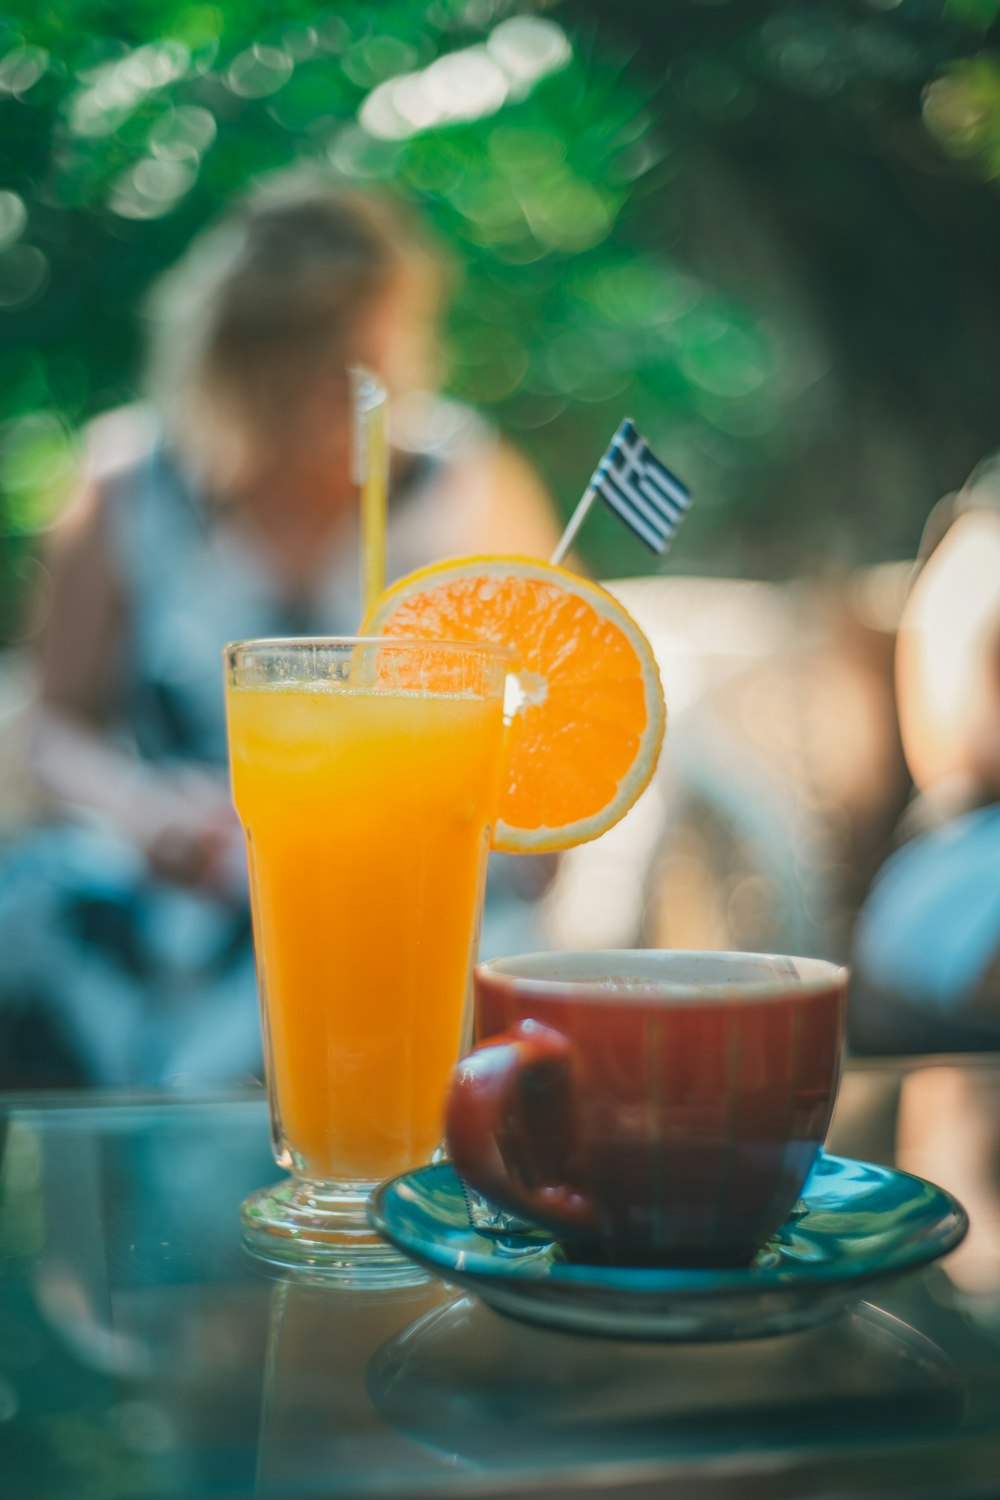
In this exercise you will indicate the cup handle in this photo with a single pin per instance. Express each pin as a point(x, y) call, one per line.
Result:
point(507, 1127)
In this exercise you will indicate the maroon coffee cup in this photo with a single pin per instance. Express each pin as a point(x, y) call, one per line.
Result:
point(649, 1107)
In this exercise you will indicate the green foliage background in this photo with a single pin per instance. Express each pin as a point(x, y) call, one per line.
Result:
point(767, 231)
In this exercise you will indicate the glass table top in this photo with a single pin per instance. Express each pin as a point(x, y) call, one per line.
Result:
point(143, 1353)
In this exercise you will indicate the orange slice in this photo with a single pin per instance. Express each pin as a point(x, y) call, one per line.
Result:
point(586, 730)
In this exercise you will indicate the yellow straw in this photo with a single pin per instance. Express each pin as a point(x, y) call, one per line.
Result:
point(371, 474)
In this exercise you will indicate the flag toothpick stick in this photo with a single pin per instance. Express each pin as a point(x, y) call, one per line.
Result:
point(371, 475)
point(574, 523)
point(641, 490)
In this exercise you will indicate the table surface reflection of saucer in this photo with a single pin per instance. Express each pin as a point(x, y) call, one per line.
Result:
point(857, 1225)
point(461, 1380)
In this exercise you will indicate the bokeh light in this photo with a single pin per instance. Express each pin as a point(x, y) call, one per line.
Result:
point(721, 221)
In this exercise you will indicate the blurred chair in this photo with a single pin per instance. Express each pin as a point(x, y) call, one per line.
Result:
point(780, 779)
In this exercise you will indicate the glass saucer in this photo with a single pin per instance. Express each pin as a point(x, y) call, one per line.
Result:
point(856, 1225)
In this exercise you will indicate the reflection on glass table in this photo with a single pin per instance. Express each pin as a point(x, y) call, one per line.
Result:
point(143, 1353)
point(462, 1380)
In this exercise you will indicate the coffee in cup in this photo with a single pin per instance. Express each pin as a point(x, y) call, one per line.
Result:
point(649, 1107)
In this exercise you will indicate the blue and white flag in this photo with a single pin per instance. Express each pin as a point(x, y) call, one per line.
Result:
point(639, 488)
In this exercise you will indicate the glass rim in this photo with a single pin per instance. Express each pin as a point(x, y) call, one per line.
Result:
point(350, 642)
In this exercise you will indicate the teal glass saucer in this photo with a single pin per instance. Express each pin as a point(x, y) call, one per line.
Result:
point(856, 1225)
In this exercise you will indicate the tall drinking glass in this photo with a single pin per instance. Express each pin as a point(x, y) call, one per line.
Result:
point(365, 774)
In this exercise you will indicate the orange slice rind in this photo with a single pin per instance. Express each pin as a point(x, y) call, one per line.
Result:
point(587, 716)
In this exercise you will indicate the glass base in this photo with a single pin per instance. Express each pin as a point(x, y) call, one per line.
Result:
point(323, 1227)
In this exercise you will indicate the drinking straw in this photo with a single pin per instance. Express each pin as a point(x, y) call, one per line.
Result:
point(371, 475)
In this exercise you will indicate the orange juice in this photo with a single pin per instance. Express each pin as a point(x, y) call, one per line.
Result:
point(367, 815)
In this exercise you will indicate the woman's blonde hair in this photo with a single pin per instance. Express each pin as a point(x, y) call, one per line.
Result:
point(269, 298)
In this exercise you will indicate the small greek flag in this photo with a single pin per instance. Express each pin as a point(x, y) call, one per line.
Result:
point(632, 480)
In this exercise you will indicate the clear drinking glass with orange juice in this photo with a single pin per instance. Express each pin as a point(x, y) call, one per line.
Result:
point(370, 777)
point(366, 776)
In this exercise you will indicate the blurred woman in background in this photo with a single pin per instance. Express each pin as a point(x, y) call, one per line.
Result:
point(927, 953)
point(222, 509)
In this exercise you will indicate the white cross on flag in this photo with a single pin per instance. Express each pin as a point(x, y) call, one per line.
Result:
point(640, 489)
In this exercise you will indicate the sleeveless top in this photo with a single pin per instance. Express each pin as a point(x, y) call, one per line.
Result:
point(192, 584)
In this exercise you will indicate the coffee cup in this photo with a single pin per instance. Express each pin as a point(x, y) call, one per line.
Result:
point(649, 1107)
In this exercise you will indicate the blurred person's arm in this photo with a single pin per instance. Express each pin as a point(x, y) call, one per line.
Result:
point(948, 660)
point(519, 516)
point(984, 734)
point(182, 824)
point(487, 497)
